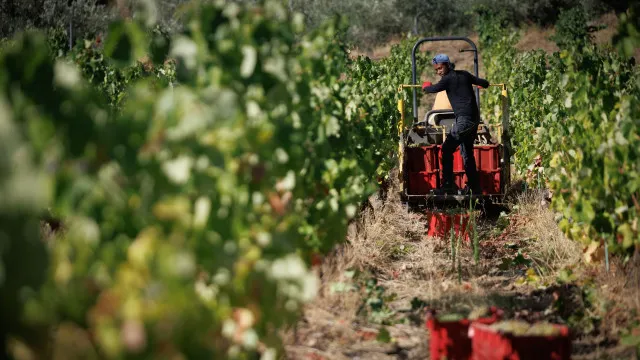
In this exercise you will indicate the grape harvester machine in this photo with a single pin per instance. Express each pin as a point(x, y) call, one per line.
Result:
point(420, 144)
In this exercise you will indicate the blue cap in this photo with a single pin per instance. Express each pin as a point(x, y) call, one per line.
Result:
point(440, 59)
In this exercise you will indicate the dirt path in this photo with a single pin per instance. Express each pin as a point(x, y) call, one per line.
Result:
point(377, 289)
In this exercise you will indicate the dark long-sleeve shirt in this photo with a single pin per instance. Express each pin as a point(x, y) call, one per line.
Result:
point(458, 83)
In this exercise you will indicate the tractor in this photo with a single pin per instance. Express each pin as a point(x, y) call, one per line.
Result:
point(420, 143)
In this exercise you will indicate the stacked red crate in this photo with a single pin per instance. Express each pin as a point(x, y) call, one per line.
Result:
point(450, 339)
point(425, 170)
point(487, 162)
point(422, 167)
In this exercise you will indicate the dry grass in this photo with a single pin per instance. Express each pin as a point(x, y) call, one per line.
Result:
point(385, 234)
point(548, 246)
point(621, 288)
point(389, 242)
point(632, 281)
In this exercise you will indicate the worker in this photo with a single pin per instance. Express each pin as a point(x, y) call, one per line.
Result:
point(458, 85)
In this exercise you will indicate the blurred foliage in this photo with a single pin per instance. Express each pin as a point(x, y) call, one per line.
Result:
point(112, 78)
point(189, 198)
point(627, 38)
point(572, 30)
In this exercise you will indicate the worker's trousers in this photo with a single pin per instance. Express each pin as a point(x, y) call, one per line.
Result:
point(463, 134)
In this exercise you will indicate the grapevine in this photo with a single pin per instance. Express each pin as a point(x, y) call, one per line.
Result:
point(576, 111)
point(190, 205)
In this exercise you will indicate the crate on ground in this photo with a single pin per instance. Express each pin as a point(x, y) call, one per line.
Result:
point(492, 344)
point(450, 339)
point(440, 225)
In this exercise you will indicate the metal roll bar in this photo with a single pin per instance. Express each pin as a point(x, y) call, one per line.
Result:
point(414, 79)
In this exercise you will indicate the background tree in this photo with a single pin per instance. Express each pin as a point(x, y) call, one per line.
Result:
point(372, 22)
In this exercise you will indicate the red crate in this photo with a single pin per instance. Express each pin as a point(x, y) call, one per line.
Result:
point(489, 181)
point(487, 157)
point(450, 339)
point(421, 183)
point(440, 225)
point(458, 164)
point(489, 344)
point(420, 159)
point(460, 178)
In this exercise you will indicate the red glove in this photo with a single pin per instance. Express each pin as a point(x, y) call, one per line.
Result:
point(426, 84)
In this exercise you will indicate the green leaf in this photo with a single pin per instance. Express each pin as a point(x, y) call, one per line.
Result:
point(125, 43)
point(159, 48)
point(627, 235)
point(566, 276)
point(383, 335)
point(249, 59)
